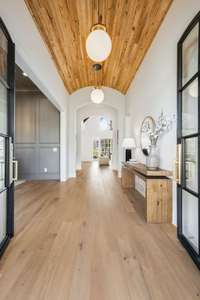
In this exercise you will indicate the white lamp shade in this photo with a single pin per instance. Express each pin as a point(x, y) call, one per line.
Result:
point(128, 143)
point(98, 45)
point(97, 96)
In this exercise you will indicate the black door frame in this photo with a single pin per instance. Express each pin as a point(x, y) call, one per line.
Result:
point(181, 140)
point(10, 85)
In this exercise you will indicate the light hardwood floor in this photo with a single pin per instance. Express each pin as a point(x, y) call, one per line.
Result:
point(84, 240)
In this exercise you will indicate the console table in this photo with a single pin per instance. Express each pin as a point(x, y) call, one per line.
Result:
point(153, 189)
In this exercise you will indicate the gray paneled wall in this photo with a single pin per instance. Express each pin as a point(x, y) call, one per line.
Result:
point(37, 146)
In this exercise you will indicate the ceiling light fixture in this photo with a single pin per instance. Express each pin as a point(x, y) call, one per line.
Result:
point(24, 74)
point(97, 95)
point(98, 43)
point(97, 67)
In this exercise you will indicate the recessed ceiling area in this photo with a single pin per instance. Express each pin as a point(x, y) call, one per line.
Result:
point(65, 25)
point(23, 83)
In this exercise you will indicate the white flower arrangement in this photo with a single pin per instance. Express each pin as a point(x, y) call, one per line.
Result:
point(162, 125)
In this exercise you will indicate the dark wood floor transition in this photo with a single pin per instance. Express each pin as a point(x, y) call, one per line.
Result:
point(84, 240)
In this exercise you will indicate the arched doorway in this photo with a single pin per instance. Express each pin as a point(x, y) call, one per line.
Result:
point(81, 107)
point(97, 136)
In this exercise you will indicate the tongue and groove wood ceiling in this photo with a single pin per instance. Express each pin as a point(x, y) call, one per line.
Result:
point(65, 25)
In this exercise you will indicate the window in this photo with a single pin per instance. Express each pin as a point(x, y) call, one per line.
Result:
point(106, 147)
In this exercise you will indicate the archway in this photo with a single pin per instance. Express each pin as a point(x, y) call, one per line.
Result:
point(80, 107)
point(91, 111)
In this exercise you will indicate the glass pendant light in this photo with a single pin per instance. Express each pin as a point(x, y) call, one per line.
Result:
point(97, 95)
point(98, 43)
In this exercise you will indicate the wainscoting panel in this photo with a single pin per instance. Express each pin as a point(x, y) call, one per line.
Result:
point(49, 159)
point(37, 147)
point(26, 118)
point(27, 157)
point(49, 119)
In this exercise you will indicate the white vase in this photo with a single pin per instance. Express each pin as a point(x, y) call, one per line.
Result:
point(153, 160)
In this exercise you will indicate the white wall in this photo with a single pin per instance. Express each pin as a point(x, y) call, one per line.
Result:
point(81, 106)
point(90, 132)
point(154, 87)
point(34, 58)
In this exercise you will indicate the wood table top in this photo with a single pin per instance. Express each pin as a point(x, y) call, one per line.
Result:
point(142, 169)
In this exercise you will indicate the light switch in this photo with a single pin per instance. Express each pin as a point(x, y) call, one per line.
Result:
point(45, 170)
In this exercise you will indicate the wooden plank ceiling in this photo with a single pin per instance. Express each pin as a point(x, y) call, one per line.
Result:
point(65, 25)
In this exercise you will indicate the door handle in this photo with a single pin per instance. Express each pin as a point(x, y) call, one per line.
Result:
point(177, 164)
point(10, 161)
point(15, 170)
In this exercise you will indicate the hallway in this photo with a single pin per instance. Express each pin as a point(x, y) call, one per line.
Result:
point(84, 240)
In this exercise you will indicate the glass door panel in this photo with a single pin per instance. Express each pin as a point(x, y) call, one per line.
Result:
point(2, 163)
point(190, 109)
point(3, 55)
point(7, 63)
point(190, 219)
point(3, 215)
point(191, 164)
point(3, 109)
point(188, 140)
point(190, 55)
point(3, 131)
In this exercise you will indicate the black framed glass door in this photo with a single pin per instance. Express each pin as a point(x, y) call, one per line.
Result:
point(7, 64)
point(188, 140)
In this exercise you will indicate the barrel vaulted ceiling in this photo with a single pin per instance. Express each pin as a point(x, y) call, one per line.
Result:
point(65, 25)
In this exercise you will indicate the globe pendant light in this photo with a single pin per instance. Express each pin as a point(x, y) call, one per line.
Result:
point(97, 95)
point(98, 43)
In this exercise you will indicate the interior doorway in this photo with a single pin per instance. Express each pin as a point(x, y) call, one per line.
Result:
point(97, 139)
point(82, 116)
point(37, 138)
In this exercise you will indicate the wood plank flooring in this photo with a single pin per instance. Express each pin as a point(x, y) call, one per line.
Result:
point(84, 240)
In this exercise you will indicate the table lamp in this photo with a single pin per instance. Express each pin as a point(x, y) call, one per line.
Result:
point(128, 144)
